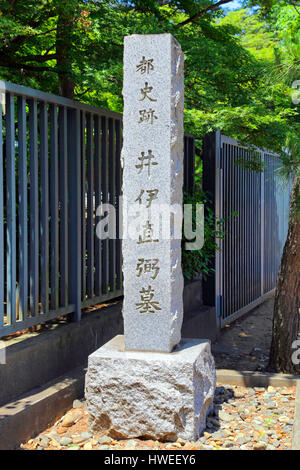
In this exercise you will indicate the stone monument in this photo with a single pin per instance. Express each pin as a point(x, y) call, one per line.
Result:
point(150, 383)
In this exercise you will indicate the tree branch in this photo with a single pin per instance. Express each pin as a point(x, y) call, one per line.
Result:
point(295, 7)
point(79, 95)
point(203, 12)
point(38, 58)
point(16, 65)
point(22, 37)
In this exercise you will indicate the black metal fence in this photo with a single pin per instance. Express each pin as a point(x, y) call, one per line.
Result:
point(59, 160)
point(189, 163)
point(255, 206)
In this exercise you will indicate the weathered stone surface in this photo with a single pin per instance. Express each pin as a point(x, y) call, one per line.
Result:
point(153, 125)
point(154, 395)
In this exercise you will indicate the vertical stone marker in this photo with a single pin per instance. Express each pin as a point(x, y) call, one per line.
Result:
point(149, 383)
point(152, 154)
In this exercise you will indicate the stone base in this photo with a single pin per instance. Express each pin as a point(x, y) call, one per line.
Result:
point(161, 396)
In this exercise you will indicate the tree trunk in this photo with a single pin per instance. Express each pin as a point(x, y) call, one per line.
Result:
point(287, 297)
point(65, 27)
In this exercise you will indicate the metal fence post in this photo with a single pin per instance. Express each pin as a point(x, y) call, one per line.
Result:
point(262, 214)
point(218, 216)
point(11, 208)
point(74, 219)
point(1, 219)
point(212, 187)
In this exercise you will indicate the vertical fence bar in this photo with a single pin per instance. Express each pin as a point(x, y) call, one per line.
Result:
point(118, 194)
point(262, 234)
point(229, 260)
point(44, 171)
point(252, 280)
point(1, 222)
point(192, 164)
point(255, 229)
point(63, 206)
point(74, 192)
point(247, 186)
point(238, 231)
point(23, 210)
point(252, 232)
point(185, 161)
point(257, 235)
point(218, 215)
point(245, 228)
point(112, 190)
point(257, 232)
point(210, 182)
point(54, 233)
point(83, 205)
point(250, 227)
point(234, 286)
point(266, 223)
point(272, 257)
point(225, 160)
point(227, 228)
point(34, 200)
point(90, 206)
point(187, 166)
point(11, 209)
point(241, 245)
point(104, 185)
point(97, 204)
point(270, 224)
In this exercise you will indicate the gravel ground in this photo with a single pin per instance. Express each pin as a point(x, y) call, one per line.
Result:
point(242, 419)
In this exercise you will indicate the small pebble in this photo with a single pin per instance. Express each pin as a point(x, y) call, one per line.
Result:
point(181, 441)
point(260, 445)
point(64, 441)
point(104, 440)
point(130, 445)
point(77, 404)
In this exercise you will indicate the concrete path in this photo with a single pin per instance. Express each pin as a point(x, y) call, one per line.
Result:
point(245, 343)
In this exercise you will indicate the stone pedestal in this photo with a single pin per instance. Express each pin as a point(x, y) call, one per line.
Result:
point(150, 394)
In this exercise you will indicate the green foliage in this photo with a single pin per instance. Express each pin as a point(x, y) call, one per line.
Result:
point(271, 34)
point(196, 262)
point(223, 78)
point(239, 66)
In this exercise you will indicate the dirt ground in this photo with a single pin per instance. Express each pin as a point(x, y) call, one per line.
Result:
point(245, 343)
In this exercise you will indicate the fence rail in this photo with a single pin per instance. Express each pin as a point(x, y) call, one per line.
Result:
point(255, 207)
point(59, 160)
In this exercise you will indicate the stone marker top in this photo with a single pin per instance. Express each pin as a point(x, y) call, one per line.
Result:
point(155, 60)
point(152, 157)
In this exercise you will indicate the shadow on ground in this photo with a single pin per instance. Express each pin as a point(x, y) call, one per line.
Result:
point(245, 343)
